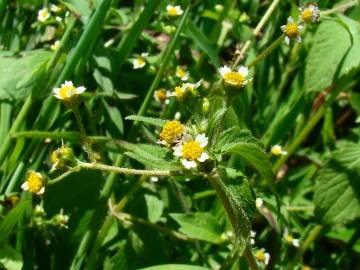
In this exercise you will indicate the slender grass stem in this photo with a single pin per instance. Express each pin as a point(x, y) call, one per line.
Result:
point(256, 31)
point(267, 51)
point(313, 234)
point(340, 8)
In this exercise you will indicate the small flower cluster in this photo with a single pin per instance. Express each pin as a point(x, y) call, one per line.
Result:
point(60, 220)
point(44, 13)
point(190, 149)
point(308, 14)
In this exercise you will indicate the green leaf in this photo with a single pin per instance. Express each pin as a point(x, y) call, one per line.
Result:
point(200, 225)
point(330, 44)
point(337, 188)
point(149, 120)
point(8, 224)
point(10, 259)
point(155, 208)
point(152, 156)
point(175, 267)
point(19, 74)
point(113, 120)
point(203, 42)
point(213, 130)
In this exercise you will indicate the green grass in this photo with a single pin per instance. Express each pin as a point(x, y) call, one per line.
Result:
point(122, 199)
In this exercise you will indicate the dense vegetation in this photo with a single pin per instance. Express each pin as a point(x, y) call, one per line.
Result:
point(179, 135)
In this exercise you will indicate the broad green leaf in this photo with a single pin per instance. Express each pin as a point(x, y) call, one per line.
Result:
point(337, 188)
point(203, 42)
point(148, 120)
point(330, 44)
point(200, 225)
point(151, 156)
point(81, 7)
point(155, 207)
point(175, 267)
point(19, 74)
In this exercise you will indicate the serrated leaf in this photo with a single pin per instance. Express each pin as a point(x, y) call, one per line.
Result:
point(337, 189)
point(330, 44)
point(151, 156)
point(149, 120)
point(175, 267)
point(200, 225)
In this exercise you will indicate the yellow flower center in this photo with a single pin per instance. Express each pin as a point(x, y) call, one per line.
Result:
point(35, 182)
point(140, 61)
point(192, 150)
point(161, 95)
point(292, 30)
point(260, 255)
point(234, 78)
point(276, 150)
point(55, 156)
point(179, 92)
point(67, 91)
point(43, 13)
point(172, 11)
point(289, 238)
point(307, 15)
point(171, 131)
point(180, 72)
point(305, 267)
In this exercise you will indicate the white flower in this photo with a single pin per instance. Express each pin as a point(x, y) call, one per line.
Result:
point(310, 13)
point(277, 150)
point(235, 78)
point(43, 14)
point(55, 46)
point(55, 8)
point(139, 62)
point(162, 96)
point(192, 151)
point(292, 30)
point(182, 73)
point(262, 256)
point(185, 89)
point(154, 179)
point(291, 240)
point(177, 116)
point(34, 183)
point(259, 202)
point(174, 11)
point(67, 91)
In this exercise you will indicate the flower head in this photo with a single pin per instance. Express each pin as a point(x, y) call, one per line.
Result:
point(292, 30)
point(310, 13)
point(235, 79)
point(277, 150)
point(174, 11)
point(192, 150)
point(139, 62)
point(162, 96)
point(259, 202)
point(34, 183)
point(61, 219)
point(67, 91)
point(55, 46)
point(171, 133)
point(43, 14)
point(186, 89)
point(291, 240)
point(262, 256)
point(62, 158)
point(182, 73)
point(39, 210)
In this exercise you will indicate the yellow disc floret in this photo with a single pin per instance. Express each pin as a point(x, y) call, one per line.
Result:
point(260, 255)
point(67, 91)
point(192, 150)
point(307, 15)
point(292, 30)
point(179, 92)
point(34, 182)
point(171, 131)
point(234, 78)
point(161, 95)
point(172, 11)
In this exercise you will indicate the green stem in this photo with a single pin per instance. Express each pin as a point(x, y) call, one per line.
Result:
point(267, 51)
point(114, 169)
point(256, 31)
point(300, 138)
point(305, 245)
point(341, 7)
point(85, 139)
point(215, 182)
point(5, 145)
